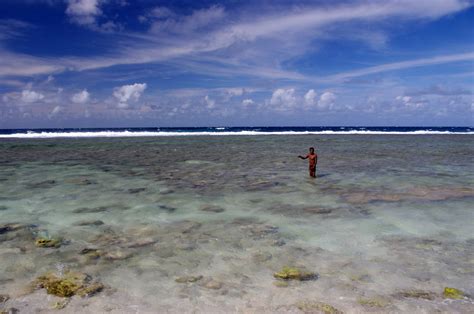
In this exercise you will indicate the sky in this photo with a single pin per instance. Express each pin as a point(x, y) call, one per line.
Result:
point(184, 63)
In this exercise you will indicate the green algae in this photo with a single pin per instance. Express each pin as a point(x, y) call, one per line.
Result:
point(317, 307)
point(294, 273)
point(72, 283)
point(453, 293)
point(49, 243)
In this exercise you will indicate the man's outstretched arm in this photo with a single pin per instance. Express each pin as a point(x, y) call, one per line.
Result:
point(305, 157)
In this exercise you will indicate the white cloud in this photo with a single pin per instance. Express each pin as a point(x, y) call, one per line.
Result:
point(283, 99)
point(83, 12)
point(310, 98)
point(247, 102)
point(169, 22)
point(30, 96)
point(81, 97)
point(126, 93)
point(55, 111)
point(211, 103)
point(326, 101)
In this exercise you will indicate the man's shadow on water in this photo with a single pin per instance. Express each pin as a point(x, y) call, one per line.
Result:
point(322, 175)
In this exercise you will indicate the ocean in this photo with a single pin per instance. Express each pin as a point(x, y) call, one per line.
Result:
point(201, 219)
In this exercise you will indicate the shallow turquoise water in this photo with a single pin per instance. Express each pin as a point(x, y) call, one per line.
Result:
point(387, 213)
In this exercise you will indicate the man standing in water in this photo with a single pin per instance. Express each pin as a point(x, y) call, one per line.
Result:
point(313, 160)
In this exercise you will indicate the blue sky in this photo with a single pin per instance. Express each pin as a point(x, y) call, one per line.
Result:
point(124, 63)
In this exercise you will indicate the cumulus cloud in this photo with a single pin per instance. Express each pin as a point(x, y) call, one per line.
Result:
point(247, 102)
point(29, 96)
point(310, 97)
point(326, 101)
point(283, 99)
point(81, 97)
point(83, 12)
point(410, 102)
point(127, 93)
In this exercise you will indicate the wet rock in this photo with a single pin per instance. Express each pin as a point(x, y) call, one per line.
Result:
point(48, 243)
point(453, 293)
point(4, 298)
point(136, 190)
point(188, 279)
point(212, 209)
point(317, 307)
point(10, 310)
point(294, 273)
point(72, 283)
point(89, 223)
point(417, 294)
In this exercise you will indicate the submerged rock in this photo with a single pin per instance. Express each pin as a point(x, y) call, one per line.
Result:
point(188, 279)
point(213, 284)
point(295, 274)
point(4, 298)
point(72, 283)
point(59, 305)
point(136, 190)
point(280, 284)
point(373, 302)
point(8, 227)
point(89, 223)
point(85, 210)
point(212, 209)
point(317, 210)
point(42, 184)
point(117, 255)
point(45, 242)
point(317, 307)
point(453, 293)
point(417, 294)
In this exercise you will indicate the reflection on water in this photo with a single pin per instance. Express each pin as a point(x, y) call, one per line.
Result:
point(202, 223)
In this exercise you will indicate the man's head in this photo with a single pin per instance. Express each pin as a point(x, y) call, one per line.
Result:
point(311, 150)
